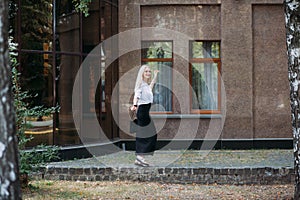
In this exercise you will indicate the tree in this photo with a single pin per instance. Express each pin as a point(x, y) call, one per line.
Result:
point(292, 19)
point(9, 179)
point(82, 5)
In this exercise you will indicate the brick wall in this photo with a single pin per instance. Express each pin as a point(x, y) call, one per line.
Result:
point(184, 175)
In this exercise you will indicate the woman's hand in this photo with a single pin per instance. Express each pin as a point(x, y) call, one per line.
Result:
point(154, 79)
point(133, 108)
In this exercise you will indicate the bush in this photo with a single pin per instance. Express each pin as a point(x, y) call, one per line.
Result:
point(29, 160)
point(32, 160)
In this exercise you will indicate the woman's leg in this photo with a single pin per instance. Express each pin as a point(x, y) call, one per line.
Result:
point(146, 134)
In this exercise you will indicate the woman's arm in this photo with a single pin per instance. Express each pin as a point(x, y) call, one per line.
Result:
point(137, 94)
point(134, 106)
point(154, 79)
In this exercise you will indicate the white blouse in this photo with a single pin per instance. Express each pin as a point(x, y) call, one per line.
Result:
point(144, 94)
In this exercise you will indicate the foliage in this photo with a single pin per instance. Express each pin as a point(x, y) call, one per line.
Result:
point(36, 22)
point(35, 32)
point(21, 106)
point(40, 154)
point(31, 160)
point(82, 5)
point(19, 97)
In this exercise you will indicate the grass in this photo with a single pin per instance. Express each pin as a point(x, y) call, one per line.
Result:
point(45, 189)
point(150, 190)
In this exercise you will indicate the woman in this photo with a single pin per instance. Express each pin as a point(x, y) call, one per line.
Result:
point(146, 136)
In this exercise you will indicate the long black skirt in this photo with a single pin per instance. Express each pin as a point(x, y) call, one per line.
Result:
point(146, 136)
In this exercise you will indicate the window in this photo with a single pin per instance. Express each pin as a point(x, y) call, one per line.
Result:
point(51, 50)
point(158, 55)
point(205, 65)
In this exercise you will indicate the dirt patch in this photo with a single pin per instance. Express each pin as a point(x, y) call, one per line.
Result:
point(149, 190)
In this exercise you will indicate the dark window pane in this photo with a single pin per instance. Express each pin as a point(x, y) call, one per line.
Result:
point(68, 68)
point(152, 49)
point(37, 78)
point(65, 7)
point(68, 31)
point(206, 49)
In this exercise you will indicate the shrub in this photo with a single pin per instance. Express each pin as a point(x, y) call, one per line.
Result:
point(29, 160)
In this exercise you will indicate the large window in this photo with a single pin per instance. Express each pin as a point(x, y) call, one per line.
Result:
point(158, 55)
point(53, 41)
point(205, 67)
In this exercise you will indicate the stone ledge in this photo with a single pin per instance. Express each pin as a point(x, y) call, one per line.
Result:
point(237, 176)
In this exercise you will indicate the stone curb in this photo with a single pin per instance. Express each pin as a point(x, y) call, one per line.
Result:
point(182, 175)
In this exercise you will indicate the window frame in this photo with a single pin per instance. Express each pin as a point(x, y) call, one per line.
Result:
point(204, 60)
point(147, 60)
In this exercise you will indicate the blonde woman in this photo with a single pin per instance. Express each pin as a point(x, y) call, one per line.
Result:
point(146, 136)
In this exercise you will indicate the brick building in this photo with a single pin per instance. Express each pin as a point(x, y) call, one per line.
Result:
point(250, 36)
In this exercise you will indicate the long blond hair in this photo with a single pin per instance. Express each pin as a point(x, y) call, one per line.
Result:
point(139, 78)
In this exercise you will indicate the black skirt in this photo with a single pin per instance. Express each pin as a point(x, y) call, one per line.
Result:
point(146, 136)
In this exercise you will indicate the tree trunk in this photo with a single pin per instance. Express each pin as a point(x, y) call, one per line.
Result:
point(292, 19)
point(9, 179)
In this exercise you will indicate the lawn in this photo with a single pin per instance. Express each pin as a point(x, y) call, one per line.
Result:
point(45, 189)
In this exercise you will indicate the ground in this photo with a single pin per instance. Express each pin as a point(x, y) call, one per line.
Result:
point(149, 190)
point(46, 189)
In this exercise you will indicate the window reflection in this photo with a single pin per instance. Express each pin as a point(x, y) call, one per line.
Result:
point(206, 49)
point(205, 85)
point(205, 66)
point(158, 55)
point(51, 54)
point(152, 49)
